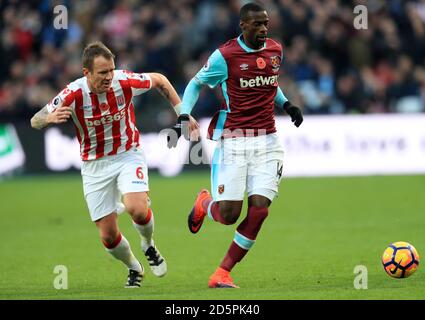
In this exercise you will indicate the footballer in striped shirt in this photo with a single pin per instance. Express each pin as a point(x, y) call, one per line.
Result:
point(114, 170)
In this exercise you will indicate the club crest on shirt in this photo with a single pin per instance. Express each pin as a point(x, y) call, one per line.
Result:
point(220, 188)
point(275, 62)
point(120, 100)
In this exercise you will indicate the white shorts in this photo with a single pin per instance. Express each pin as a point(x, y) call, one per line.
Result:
point(106, 179)
point(253, 164)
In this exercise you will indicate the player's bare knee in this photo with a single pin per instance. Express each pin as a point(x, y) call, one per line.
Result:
point(138, 212)
point(230, 211)
point(109, 240)
point(230, 218)
point(230, 214)
point(258, 201)
point(109, 236)
point(108, 229)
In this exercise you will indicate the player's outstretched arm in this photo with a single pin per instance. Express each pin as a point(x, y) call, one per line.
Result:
point(184, 124)
point(212, 74)
point(165, 88)
point(161, 83)
point(43, 117)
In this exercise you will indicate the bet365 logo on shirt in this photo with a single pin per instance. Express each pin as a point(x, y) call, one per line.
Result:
point(108, 119)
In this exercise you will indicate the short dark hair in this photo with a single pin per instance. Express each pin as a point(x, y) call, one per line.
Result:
point(94, 50)
point(251, 6)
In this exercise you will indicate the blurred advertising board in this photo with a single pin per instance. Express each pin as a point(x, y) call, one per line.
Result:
point(351, 145)
point(12, 156)
point(346, 145)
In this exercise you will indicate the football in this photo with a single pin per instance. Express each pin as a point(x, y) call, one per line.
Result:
point(400, 259)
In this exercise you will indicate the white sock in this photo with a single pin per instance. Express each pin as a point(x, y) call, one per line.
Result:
point(146, 231)
point(122, 252)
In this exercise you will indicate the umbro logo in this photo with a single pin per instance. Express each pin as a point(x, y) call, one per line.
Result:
point(243, 67)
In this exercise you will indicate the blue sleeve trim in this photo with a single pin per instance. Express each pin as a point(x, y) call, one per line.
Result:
point(280, 98)
point(190, 96)
point(214, 71)
point(218, 131)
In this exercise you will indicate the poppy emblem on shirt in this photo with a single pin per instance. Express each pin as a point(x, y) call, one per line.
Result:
point(120, 100)
point(275, 62)
point(103, 107)
point(261, 63)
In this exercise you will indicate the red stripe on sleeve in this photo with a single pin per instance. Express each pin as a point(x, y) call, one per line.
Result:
point(139, 84)
point(69, 99)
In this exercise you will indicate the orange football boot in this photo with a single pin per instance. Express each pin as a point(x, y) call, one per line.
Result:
point(221, 279)
point(197, 215)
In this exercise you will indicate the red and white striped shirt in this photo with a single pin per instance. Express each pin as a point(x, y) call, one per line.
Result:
point(105, 123)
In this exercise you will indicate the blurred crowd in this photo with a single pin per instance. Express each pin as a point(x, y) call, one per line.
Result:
point(329, 66)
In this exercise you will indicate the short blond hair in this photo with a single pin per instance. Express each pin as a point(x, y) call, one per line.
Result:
point(93, 50)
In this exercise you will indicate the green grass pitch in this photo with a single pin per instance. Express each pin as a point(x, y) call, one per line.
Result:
point(317, 231)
